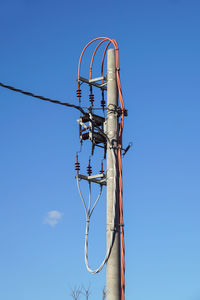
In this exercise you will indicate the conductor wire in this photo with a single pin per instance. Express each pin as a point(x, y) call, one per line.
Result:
point(89, 212)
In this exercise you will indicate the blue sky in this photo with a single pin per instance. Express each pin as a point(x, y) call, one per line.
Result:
point(160, 70)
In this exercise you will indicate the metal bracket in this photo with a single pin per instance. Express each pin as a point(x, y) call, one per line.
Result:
point(119, 111)
point(94, 82)
point(98, 178)
point(127, 148)
point(97, 79)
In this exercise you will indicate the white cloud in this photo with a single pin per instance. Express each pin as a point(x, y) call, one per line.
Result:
point(53, 217)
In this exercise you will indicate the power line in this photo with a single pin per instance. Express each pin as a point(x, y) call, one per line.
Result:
point(30, 94)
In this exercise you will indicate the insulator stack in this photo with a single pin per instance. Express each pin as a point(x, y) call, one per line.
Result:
point(89, 168)
point(103, 101)
point(78, 93)
point(91, 96)
point(102, 171)
point(77, 165)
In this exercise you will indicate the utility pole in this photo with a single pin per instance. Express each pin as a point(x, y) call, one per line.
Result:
point(102, 133)
point(113, 289)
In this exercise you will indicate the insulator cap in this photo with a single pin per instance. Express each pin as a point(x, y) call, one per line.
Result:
point(89, 168)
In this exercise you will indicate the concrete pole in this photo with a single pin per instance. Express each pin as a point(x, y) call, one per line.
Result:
point(113, 288)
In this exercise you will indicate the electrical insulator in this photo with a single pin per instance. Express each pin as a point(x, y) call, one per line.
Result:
point(91, 96)
point(78, 93)
point(102, 171)
point(103, 101)
point(77, 165)
point(89, 168)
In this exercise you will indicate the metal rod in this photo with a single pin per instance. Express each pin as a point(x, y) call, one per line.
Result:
point(97, 79)
point(100, 179)
point(101, 86)
point(113, 289)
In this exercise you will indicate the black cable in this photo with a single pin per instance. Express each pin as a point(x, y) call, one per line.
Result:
point(14, 89)
point(41, 97)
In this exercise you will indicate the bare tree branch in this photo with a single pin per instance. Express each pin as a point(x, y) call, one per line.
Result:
point(86, 292)
point(75, 292)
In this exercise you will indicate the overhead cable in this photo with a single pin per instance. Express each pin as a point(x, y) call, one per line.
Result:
point(14, 89)
point(30, 94)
